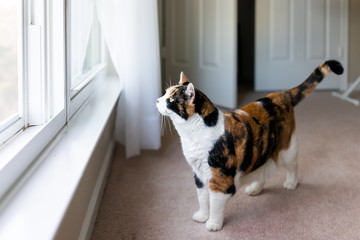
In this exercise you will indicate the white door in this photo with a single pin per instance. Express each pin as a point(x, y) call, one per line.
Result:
point(201, 40)
point(295, 36)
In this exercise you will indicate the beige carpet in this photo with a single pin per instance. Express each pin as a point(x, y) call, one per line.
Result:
point(153, 196)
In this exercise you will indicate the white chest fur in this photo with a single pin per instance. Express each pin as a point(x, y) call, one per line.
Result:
point(197, 140)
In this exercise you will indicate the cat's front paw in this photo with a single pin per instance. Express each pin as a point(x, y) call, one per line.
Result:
point(213, 226)
point(289, 185)
point(200, 216)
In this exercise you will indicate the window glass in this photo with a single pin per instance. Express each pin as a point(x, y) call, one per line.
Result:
point(9, 60)
point(85, 40)
point(93, 50)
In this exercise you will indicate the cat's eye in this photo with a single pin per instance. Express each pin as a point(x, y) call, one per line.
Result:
point(171, 99)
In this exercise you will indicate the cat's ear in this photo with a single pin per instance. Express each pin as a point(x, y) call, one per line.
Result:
point(190, 92)
point(183, 79)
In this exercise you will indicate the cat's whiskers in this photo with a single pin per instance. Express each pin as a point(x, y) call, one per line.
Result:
point(167, 85)
point(167, 119)
point(161, 122)
point(164, 123)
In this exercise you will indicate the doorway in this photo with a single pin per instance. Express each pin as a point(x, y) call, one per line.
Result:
point(246, 44)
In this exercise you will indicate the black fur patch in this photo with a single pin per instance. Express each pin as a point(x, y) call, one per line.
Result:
point(335, 66)
point(272, 142)
point(233, 115)
point(248, 155)
point(287, 105)
point(211, 119)
point(217, 159)
point(174, 106)
point(199, 101)
point(288, 97)
point(300, 94)
point(198, 182)
point(256, 120)
point(269, 106)
point(186, 83)
point(260, 142)
point(180, 99)
point(184, 113)
point(318, 76)
point(230, 143)
point(274, 112)
point(231, 190)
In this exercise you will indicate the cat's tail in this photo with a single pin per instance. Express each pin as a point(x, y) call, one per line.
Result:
point(303, 90)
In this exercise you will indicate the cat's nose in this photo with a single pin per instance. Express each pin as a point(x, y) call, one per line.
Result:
point(157, 101)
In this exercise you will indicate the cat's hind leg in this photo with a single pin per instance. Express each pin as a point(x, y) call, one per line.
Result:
point(257, 178)
point(289, 159)
point(255, 187)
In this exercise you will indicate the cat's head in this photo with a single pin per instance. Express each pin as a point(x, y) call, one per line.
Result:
point(178, 101)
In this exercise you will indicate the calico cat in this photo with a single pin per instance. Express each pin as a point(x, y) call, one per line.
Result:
point(240, 147)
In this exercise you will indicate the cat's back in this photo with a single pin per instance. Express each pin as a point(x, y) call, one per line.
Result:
point(258, 131)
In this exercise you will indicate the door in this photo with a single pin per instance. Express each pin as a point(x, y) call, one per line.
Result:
point(201, 40)
point(293, 37)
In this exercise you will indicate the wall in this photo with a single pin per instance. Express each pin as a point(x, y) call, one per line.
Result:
point(354, 40)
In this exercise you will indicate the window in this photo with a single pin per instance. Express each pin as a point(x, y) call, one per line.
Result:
point(10, 68)
point(86, 50)
point(48, 70)
point(9, 44)
point(85, 43)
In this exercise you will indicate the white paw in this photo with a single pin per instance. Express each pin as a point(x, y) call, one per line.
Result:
point(253, 189)
point(290, 185)
point(213, 226)
point(200, 217)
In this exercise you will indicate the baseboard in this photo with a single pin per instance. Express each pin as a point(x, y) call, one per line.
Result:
point(94, 205)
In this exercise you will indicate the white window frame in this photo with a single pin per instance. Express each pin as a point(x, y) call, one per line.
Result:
point(40, 125)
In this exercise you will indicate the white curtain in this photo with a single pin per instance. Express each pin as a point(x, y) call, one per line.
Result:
point(130, 28)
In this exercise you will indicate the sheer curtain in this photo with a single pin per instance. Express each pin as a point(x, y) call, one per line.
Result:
point(130, 29)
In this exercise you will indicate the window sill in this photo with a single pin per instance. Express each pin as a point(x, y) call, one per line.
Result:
point(18, 153)
point(40, 199)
